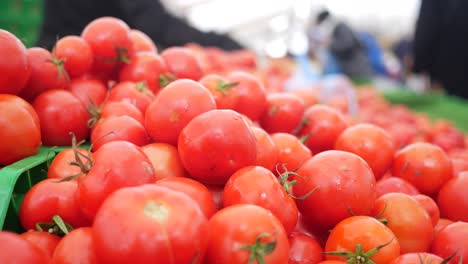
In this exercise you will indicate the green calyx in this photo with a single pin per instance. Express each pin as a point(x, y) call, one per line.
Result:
point(287, 184)
point(57, 226)
point(258, 250)
point(359, 256)
point(224, 87)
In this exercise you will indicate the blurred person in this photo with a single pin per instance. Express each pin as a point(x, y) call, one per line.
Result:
point(69, 17)
point(441, 45)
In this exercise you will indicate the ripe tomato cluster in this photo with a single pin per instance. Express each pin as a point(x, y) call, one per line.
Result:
point(194, 160)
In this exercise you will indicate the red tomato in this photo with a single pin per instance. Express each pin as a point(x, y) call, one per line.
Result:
point(174, 107)
point(215, 144)
point(16, 249)
point(134, 93)
point(453, 198)
point(254, 233)
point(304, 249)
point(14, 64)
point(371, 143)
point(147, 67)
point(182, 63)
point(45, 241)
point(291, 152)
point(424, 165)
point(60, 113)
point(217, 194)
point(110, 43)
point(441, 224)
point(407, 219)
point(394, 184)
point(251, 95)
point(60, 166)
point(141, 42)
point(259, 186)
point(267, 153)
point(76, 247)
point(165, 160)
point(46, 73)
point(117, 164)
point(154, 223)
point(419, 258)
point(121, 108)
point(343, 182)
point(76, 54)
point(224, 92)
point(309, 96)
point(197, 191)
point(452, 239)
point(91, 92)
point(367, 232)
point(49, 198)
point(322, 125)
point(430, 206)
point(332, 262)
point(283, 113)
point(116, 128)
point(20, 132)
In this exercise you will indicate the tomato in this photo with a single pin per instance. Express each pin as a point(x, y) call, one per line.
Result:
point(430, 206)
point(331, 262)
point(309, 96)
point(407, 219)
point(259, 186)
point(322, 125)
point(224, 92)
point(234, 239)
point(304, 249)
point(117, 128)
point(394, 184)
point(14, 64)
point(441, 224)
point(147, 67)
point(182, 63)
point(418, 258)
point(450, 240)
point(20, 132)
point(45, 241)
point(155, 223)
point(56, 123)
point(343, 182)
point(110, 43)
point(215, 144)
point(424, 165)
point(134, 93)
point(217, 195)
point(291, 152)
point(60, 166)
point(367, 232)
point(16, 249)
point(267, 153)
point(116, 164)
point(49, 198)
point(121, 108)
point(76, 247)
point(283, 113)
point(141, 42)
point(46, 73)
point(251, 94)
point(197, 191)
point(91, 92)
point(318, 234)
point(371, 143)
point(453, 199)
point(76, 54)
point(165, 160)
point(174, 107)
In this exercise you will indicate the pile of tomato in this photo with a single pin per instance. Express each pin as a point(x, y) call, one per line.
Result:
point(193, 160)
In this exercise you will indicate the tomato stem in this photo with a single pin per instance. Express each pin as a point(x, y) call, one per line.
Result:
point(359, 256)
point(260, 249)
point(224, 87)
point(57, 226)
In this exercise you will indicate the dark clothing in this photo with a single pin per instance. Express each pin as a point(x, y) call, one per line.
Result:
point(441, 44)
point(69, 17)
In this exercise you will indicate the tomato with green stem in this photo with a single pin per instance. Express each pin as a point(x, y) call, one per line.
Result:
point(283, 113)
point(76, 54)
point(182, 63)
point(14, 64)
point(165, 160)
point(267, 153)
point(223, 91)
point(76, 247)
point(137, 94)
point(16, 249)
point(62, 165)
point(291, 152)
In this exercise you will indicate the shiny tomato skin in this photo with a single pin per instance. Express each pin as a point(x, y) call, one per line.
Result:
point(76, 53)
point(77, 247)
point(60, 166)
point(174, 107)
point(291, 152)
point(267, 153)
point(430, 206)
point(182, 63)
point(215, 144)
point(14, 64)
point(424, 165)
point(394, 184)
point(18, 250)
point(243, 231)
point(366, 231)
point(165, 160)
point(121, 108)
point(304, 249)
point(418, 258)
point(144, 67)
point(141, 42)
point(136, 94)
point(20, 132)
point(91, 92)
point(47, 242)
point(60, 113)
point(452, 239)
point(283, 113)
point(224, 92)
point(259, 186)
point(155, 223)
point(343, 182)
point(453, 198)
